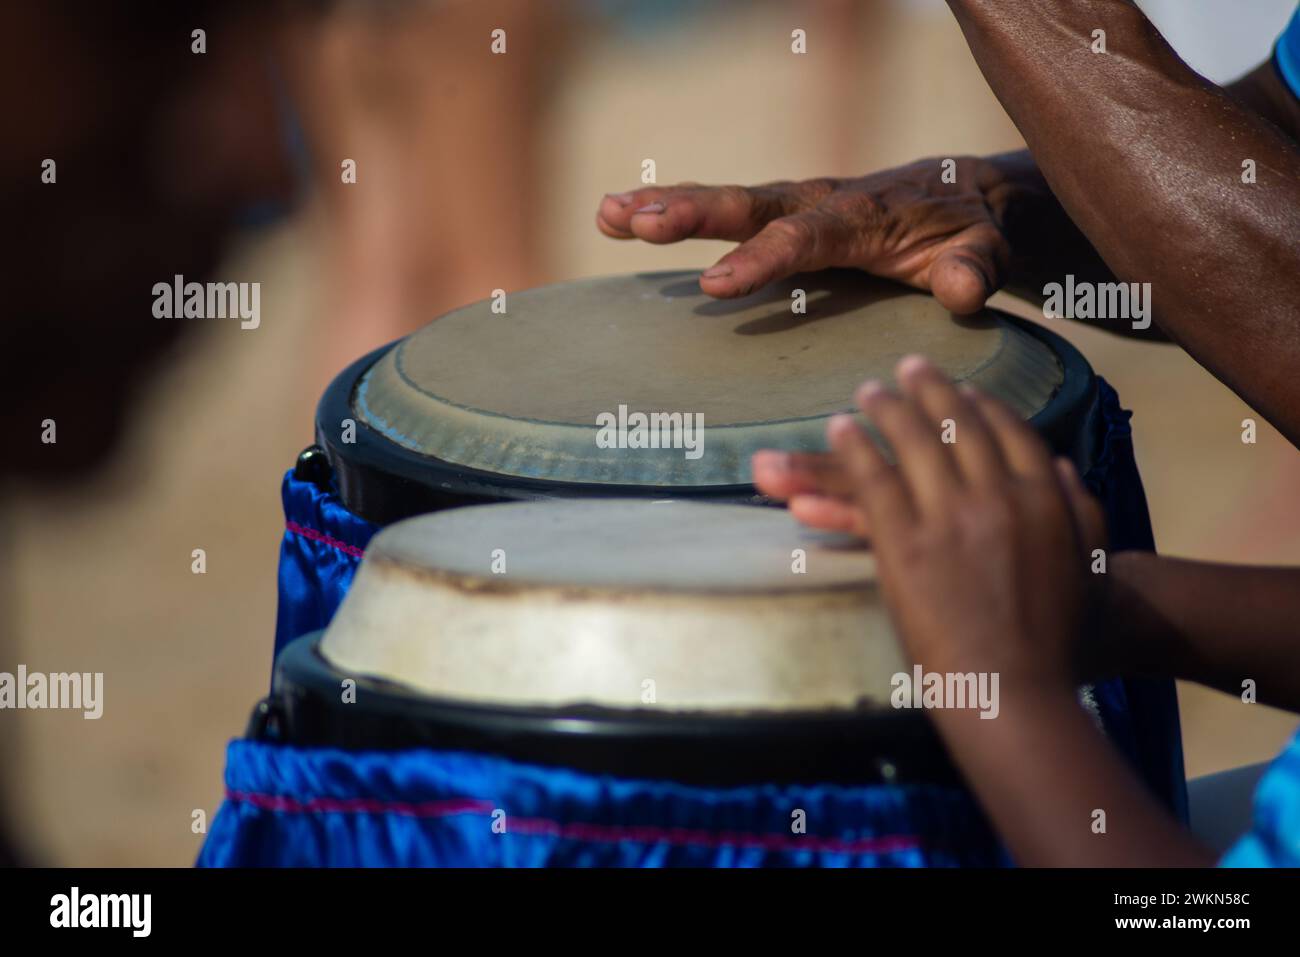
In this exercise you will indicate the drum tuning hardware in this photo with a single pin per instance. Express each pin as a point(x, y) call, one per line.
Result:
point(265, 722)
point(313, 466)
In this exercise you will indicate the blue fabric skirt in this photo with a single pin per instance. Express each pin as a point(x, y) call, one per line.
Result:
point(324, 807)
point(289, 806)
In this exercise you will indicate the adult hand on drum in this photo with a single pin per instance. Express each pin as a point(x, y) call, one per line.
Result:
point(905, 224)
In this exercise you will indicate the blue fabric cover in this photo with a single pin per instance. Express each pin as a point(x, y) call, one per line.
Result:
point(1287, 55)
point(1274, 839)
point(1140, 715)
point(319, 553)
point(322, 806)
point(314, 807)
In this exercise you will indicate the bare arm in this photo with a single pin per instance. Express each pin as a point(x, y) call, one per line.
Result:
point(1218, 625)
point(1263, 92)
point(1058, 792)
point(1044, 243)
point(980, 550)
point(1147, 158)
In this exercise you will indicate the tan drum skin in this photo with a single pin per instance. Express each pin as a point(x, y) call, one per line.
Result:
point(519, 393)
point(620, 603)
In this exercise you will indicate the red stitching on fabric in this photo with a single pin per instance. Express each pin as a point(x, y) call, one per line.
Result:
point(277, 802)
point(324, 539)
point(582, 831)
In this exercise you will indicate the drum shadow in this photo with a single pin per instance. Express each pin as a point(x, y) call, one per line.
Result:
point(830, 293)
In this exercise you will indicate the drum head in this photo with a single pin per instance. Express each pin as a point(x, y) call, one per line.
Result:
point(619, 604)
point(643, 385)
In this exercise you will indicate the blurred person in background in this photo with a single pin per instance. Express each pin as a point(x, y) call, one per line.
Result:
point(150, 176)
point(119, 185)
point(442, 119)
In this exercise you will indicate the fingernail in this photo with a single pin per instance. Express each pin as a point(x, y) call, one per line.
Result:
point(621, 198)
point(869, 390)
point(717, 272)
point(655, 207)
point(769, 458)
point(840, 424)
point(912, 364)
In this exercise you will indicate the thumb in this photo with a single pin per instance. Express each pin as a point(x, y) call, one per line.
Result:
point(969, 269)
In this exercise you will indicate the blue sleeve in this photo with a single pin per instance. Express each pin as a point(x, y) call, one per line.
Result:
point(1274, 838)
point(1287, 55)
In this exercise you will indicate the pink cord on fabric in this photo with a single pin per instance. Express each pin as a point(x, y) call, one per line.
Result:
point(324, 539)
point(580, 831)
point(277, 802)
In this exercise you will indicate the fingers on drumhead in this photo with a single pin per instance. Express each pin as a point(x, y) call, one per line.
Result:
point(803, 242)
point(686, 211)
point(918, 447)
point(830, 514)
point(1025, 453)
point(959, 282)
point(772, 475)
point(880, 488)
point(954, 417)
point(615, 212)
point(785, 474)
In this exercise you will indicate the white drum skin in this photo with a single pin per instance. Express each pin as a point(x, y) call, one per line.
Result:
point(619, 603)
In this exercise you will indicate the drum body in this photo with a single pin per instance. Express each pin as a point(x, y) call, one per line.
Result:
point(349, 791)
point(612, 681)
point(483, 406)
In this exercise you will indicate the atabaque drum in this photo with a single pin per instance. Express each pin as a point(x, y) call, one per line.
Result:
point(629, 386)
point(641, 387)
point(599, 682)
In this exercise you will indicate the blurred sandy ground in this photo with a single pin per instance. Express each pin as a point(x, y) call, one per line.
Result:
point(100, 575)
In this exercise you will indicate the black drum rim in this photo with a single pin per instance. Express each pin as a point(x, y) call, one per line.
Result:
point(876, 746)
point(383, 482)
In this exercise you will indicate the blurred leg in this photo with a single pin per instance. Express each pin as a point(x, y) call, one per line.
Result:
point(445, 136)
point(847, 41)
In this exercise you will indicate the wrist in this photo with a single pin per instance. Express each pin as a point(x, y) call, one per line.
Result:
point(1114, 636)
point(1024, 709)
point(1105, 643)
point(1045, 243)
point(984, 695)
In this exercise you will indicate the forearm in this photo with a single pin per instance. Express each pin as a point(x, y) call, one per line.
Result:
point(1147, 159)
point(1262, 92)
point(1057, 792)
point(1218, 625)
point(1046, 243)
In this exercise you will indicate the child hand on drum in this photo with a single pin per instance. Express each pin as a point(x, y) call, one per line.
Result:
point(986, 550)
